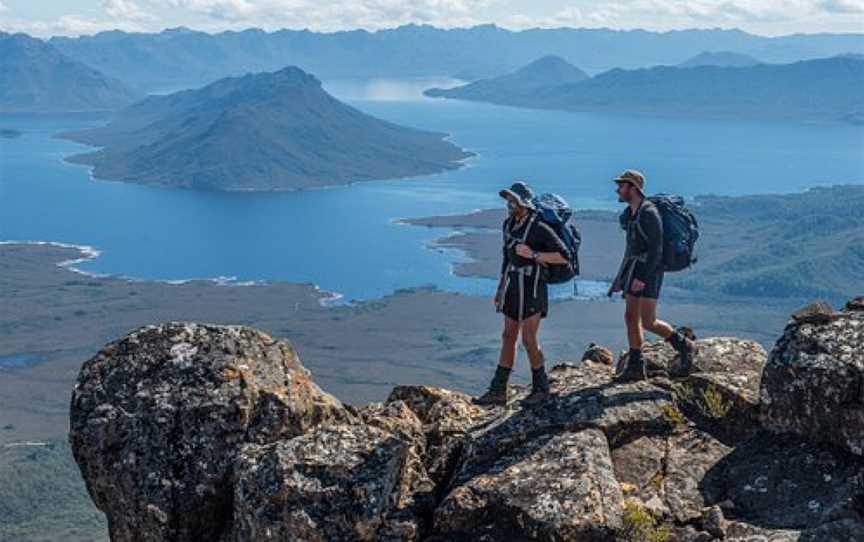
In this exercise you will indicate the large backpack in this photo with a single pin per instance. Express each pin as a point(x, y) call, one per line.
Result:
point(680, 232)
point(557, 214)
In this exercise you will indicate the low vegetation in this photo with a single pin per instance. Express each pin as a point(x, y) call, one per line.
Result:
point(641, 526)
point(42, 496)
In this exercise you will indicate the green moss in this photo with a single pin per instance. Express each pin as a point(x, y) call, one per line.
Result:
point(712, 404)
point(641, 526)
point(674, 416)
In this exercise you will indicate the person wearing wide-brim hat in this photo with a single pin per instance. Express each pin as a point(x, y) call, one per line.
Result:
point(522, 296)
point(640, 277)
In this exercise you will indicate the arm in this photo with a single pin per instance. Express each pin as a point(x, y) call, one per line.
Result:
point(652, 228)
point(550, 250)
point(504, 261)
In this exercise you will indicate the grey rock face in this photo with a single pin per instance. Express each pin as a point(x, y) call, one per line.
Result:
point(813, 384)
point(558, 487)
point(335, 483)
point(157, 420)
point(194, 432)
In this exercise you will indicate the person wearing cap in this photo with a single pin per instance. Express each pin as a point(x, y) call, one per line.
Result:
point(640, 277)
point(529, 246)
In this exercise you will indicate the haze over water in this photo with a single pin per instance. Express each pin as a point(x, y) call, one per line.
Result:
point(344, 239)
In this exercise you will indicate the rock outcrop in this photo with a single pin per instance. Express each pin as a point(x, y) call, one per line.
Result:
point(814, 382)
point(190, 432)
point(158, 420)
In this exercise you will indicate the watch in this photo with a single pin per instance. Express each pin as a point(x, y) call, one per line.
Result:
point(535, 255)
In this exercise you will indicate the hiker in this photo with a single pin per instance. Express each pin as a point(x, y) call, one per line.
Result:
point(640, 278)
point(530, 246)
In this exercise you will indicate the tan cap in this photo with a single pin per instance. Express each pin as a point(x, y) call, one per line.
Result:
point(633, 177)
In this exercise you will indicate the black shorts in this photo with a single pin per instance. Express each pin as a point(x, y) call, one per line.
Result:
point(525, 298)
point(653, 284)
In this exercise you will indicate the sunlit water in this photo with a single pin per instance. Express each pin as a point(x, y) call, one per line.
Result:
point(346, 240)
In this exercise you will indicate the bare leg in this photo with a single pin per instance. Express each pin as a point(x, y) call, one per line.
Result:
point(508, 343)
point(632, 319)
point(648, 317)
point(530, 329)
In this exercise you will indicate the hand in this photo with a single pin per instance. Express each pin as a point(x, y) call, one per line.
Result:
point(637, 286)
point(616, 287)
point(525, 251)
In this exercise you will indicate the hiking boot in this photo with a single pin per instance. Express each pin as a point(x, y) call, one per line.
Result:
point(686, 349)
point(493, 397)
point(539, 387)
point(497, 393)
point(634, 370)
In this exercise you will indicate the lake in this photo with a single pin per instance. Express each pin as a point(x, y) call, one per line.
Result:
point(345, 239)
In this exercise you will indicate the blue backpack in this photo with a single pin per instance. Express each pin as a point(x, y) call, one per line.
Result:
point(557, 214)
point(680, 232)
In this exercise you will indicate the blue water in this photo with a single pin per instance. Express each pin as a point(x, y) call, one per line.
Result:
point(345, 239)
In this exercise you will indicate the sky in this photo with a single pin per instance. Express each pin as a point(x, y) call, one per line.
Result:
point(765, 17)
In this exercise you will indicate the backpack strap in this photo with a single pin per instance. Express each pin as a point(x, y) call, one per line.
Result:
point(638, 219)
point(528, 227)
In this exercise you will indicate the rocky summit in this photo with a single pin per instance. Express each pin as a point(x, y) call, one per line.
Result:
point(189, 432)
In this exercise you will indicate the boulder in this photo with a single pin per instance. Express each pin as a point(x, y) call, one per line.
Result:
point(158, 418)
point(813, 384)
point(691, 454)
point(785, 482)
point(856, 304)
point(557, 487)
point(599, 354)
point(817, 312)
point(723, 391)
point(336, 483)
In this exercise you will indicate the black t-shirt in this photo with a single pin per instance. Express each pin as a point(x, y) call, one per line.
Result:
point(541, 238)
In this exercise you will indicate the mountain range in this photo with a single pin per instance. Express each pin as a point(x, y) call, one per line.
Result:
point(36, 77)
point(719, 58)
point(822, 89)
point(180, 57)
point(266, 131)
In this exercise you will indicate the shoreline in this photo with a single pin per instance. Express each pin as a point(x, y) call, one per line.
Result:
point(88, 253)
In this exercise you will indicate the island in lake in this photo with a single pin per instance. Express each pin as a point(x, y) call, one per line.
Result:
point(823, 89)
point(266, 131)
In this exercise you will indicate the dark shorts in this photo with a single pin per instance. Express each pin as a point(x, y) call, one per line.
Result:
point(530, 303)
point(653, 284)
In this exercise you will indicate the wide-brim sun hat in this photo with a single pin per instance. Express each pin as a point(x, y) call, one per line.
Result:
point(632, 177)
point(521, 192)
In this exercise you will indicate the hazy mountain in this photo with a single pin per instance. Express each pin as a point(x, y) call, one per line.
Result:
point(266, 131)
point(34, 76)
point(182, 57)
point(719, 58)
point(521, 84)
point(825, 89)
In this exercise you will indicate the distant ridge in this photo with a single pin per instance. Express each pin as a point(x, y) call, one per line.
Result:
point(520, 85)
point(720, 58)
point(182, 58)
point(36, 77)
point(823, 89)
point(265, 131)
